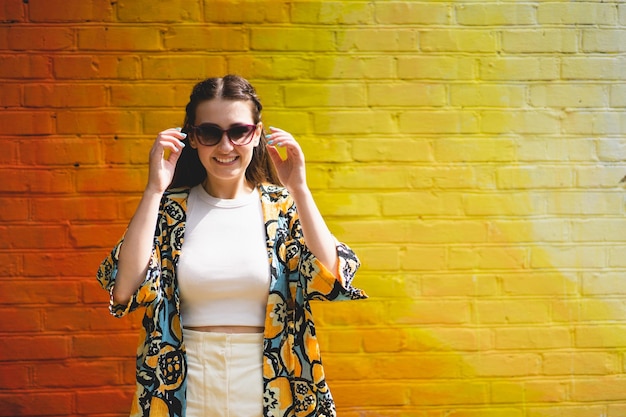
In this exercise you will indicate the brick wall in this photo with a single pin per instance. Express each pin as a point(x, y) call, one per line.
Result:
point(470, 151)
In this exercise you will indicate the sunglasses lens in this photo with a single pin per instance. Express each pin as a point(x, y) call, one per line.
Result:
point(239, 133)
point(209, 135)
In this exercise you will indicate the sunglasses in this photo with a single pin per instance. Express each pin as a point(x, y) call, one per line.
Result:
point(210, 135)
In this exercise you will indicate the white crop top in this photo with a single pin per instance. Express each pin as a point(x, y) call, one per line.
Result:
point(223, 270)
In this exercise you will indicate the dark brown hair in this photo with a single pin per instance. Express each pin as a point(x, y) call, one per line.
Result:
point(189, 170)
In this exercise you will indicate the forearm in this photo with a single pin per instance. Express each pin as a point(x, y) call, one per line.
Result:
point(136, 249)
point(318, 238)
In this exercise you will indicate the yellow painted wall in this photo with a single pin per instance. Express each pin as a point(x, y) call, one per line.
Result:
point(469, 151)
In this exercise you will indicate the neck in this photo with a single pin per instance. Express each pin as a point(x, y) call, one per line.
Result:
point(226, 189)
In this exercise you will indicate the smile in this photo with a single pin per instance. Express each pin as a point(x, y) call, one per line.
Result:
point(226, 160)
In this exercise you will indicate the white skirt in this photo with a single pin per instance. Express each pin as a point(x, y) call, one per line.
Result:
point(224, 374)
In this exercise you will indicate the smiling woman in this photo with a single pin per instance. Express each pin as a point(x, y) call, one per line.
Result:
point(225, 266)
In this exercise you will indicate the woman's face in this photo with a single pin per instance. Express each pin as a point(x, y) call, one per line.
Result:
point(225, 163)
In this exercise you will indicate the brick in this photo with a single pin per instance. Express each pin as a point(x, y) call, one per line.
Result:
point(20, 319)
point(502, 257)
point(34, 348)
point(229, 11)
point(445, 393)
point(370, 178)
point(466, 95)
point(38, 292)
point(70, 11)
point(377, 40)
point(381, 340)
point(14, 209)
point(359, 393)
point(288, 39)
point(518, 122)
point(103, 401)
point(538, 284)
point(112, 180)
point(576, 14)
point(568, 257)
point(119, 38)
point(563, 203)
point(610, 283)
point(532, 177)
point(83, 319)
point(533, 338)
point(10, 156)
point(150, 95)
point(23, 123)
point(12, 11)
point(495, 14)
point(594, 122)
point(547, 391)
point(72, 374)
point(592, 68)
point(182, 67)
point(507, 392)
point(409, 94)
point(85, 67)
point(400, 13)
point(386, 150)
point(93, 208)
point(503, 231)
point(60, 152)
point(129, 149)
point(566, 149)
point(466, 40)
point(502, 364)
point(603, 309)
point(101, 122)
point(459, 285)
point(169, 11)
point(332, 13)
point(436, 68)
point(604, 41)
point(62, 264)
point(33, 237)
point(41, 38)
point(362, 231)
point(344, 122)
point(157, 121)
point(519, 68)
point(512, 311)
point(429, 121)
point(345, 67)
point(93, 236)
point(496, 204)
point(429, 312)
point(611, 149)
point(598, 389)
point(346, 341)
point(417, 366)
point(10, 95)
point(447, 338)
point(349, 314)
point(569, 96)
point(617, 95)
point(464, 150)
point(181, 38)
point(325, 151)
point(25, 66)
point(540, 41)
point(597, 230)
point(14, 376)
point(434, 231)
point(36, 404)
point(580, 363)
point(45, 181)
point(325, 95)
point(421, 204)
point(568, 411)
point(342, 204)
point(103, 345)
point(275, 67)
point(58, 95)
point(380, 257)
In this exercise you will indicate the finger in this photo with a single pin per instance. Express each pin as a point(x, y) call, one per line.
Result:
point(274, 155)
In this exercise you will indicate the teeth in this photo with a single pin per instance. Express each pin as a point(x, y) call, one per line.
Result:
point(225, 161)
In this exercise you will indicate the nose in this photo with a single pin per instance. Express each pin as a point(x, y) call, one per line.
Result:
point(225, 141)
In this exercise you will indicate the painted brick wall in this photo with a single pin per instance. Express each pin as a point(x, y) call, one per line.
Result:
point(470, 151)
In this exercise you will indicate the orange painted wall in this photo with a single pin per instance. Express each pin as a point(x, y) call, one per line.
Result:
point(470, 151)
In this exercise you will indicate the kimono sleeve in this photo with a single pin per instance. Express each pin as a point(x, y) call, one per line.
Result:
point(321, 284)
point(148, 290)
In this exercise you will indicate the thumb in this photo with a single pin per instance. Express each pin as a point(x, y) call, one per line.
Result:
point(274, 155)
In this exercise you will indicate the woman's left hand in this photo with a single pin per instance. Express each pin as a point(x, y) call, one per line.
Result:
point(291, 170)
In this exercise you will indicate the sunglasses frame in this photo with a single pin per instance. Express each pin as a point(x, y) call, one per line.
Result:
point(248, 138)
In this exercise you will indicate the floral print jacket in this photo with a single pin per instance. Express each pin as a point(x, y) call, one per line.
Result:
point(293, 377)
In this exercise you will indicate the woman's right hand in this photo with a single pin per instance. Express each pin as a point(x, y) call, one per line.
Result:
point(161, 169)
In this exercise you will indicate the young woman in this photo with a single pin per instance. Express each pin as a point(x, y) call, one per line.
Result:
point(225, 266)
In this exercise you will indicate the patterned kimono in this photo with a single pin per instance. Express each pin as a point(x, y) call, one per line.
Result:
point(293, 377)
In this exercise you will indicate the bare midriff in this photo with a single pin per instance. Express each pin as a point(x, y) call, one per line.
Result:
point(227, 329)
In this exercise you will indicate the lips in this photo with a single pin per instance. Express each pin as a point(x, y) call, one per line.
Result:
point(226, 160)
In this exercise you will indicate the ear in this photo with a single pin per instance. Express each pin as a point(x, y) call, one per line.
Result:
point(192, 142)
point(257, 134)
